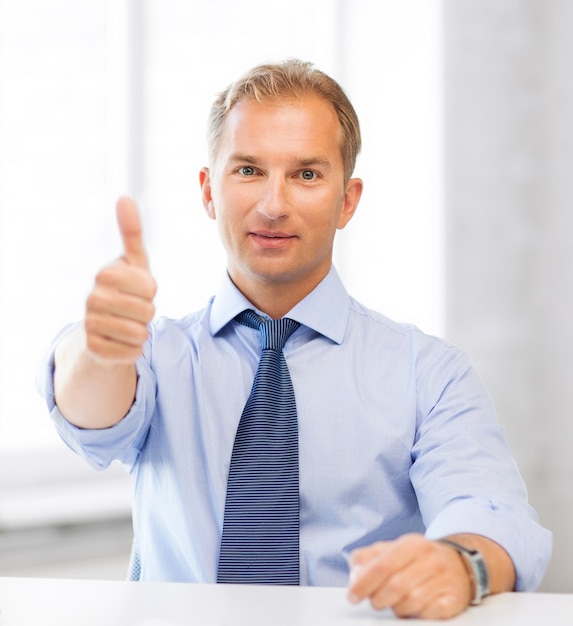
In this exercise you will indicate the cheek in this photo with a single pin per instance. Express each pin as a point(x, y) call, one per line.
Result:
point(329, 215)
point(234, 201)
point(229, 223)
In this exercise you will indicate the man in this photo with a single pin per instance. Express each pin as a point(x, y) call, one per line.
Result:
point(399, 446)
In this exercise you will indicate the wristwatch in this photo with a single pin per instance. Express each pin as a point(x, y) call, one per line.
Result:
point(476, 566)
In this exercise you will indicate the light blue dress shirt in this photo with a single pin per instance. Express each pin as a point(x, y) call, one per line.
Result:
point(397, 434)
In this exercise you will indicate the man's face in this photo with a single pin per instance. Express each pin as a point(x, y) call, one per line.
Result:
point(277, 191)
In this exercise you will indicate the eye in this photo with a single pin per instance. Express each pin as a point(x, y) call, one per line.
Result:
point(247, 170)
point(308, 175)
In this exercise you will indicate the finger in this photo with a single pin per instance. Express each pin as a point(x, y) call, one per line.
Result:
point(123, 305)
point(431, 598)
point(407, 591)
point(375, 565)
point(120, 277)
point(369, 572)
point(443, 606)
point(106, 350)
point(118, 329)
point(130, 230)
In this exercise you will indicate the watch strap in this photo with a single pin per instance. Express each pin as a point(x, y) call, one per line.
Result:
point(476, 567)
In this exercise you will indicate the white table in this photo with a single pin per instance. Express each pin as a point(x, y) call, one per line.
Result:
point(50, 602)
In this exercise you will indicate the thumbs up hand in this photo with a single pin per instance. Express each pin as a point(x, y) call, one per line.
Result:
point(121, 303)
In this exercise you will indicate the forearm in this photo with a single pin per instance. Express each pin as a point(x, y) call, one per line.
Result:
point(89, 392)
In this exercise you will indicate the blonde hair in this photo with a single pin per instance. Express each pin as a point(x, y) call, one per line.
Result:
point(290, 79)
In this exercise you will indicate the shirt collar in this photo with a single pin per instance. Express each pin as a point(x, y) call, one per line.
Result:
point(325, 309)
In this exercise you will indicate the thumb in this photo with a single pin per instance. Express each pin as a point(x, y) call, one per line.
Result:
point(130, 230)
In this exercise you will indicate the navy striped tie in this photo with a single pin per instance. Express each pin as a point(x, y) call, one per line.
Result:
point(260, 542)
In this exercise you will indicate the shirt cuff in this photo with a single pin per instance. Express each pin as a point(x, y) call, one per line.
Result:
point(516, 530)
point(99, 447)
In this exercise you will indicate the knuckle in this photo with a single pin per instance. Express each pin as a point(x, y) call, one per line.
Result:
point(94, 301)
point(94, 344)
point(150, 311)
point(416, 596)
point(379, 568)
point(394, 586)
point(153, 287)
point(91, 326)
point(412, 604)
point(141, 334)
point(107, 275)
point(444, 607)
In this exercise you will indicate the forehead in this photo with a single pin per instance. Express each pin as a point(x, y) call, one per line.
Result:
point(296, 127)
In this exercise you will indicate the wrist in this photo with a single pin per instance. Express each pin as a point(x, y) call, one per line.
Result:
point(476, 568)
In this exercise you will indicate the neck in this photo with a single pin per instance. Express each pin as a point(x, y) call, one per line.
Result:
point(275, 299)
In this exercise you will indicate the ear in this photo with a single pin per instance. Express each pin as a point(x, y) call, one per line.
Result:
point(351, 200)
point(205, 182)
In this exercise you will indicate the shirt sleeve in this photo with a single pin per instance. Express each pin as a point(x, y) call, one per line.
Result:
point(99, 447)
point(464, 473)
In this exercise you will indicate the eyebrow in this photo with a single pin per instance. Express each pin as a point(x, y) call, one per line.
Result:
point(314, 161)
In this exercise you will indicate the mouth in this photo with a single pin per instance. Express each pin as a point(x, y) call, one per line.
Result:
point(271, 234)
point(271, 239)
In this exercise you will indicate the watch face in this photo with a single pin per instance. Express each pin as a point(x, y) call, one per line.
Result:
point(482, 575)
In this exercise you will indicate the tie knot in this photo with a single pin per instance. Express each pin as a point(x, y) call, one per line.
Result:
point(274, 332)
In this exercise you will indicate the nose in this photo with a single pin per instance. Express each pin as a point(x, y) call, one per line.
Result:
point(274, 202)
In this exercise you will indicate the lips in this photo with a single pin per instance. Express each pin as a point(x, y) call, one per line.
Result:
point(271, 234)
point(271, 239)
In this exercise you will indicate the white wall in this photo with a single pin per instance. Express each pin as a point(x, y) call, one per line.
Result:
point(509, 129)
